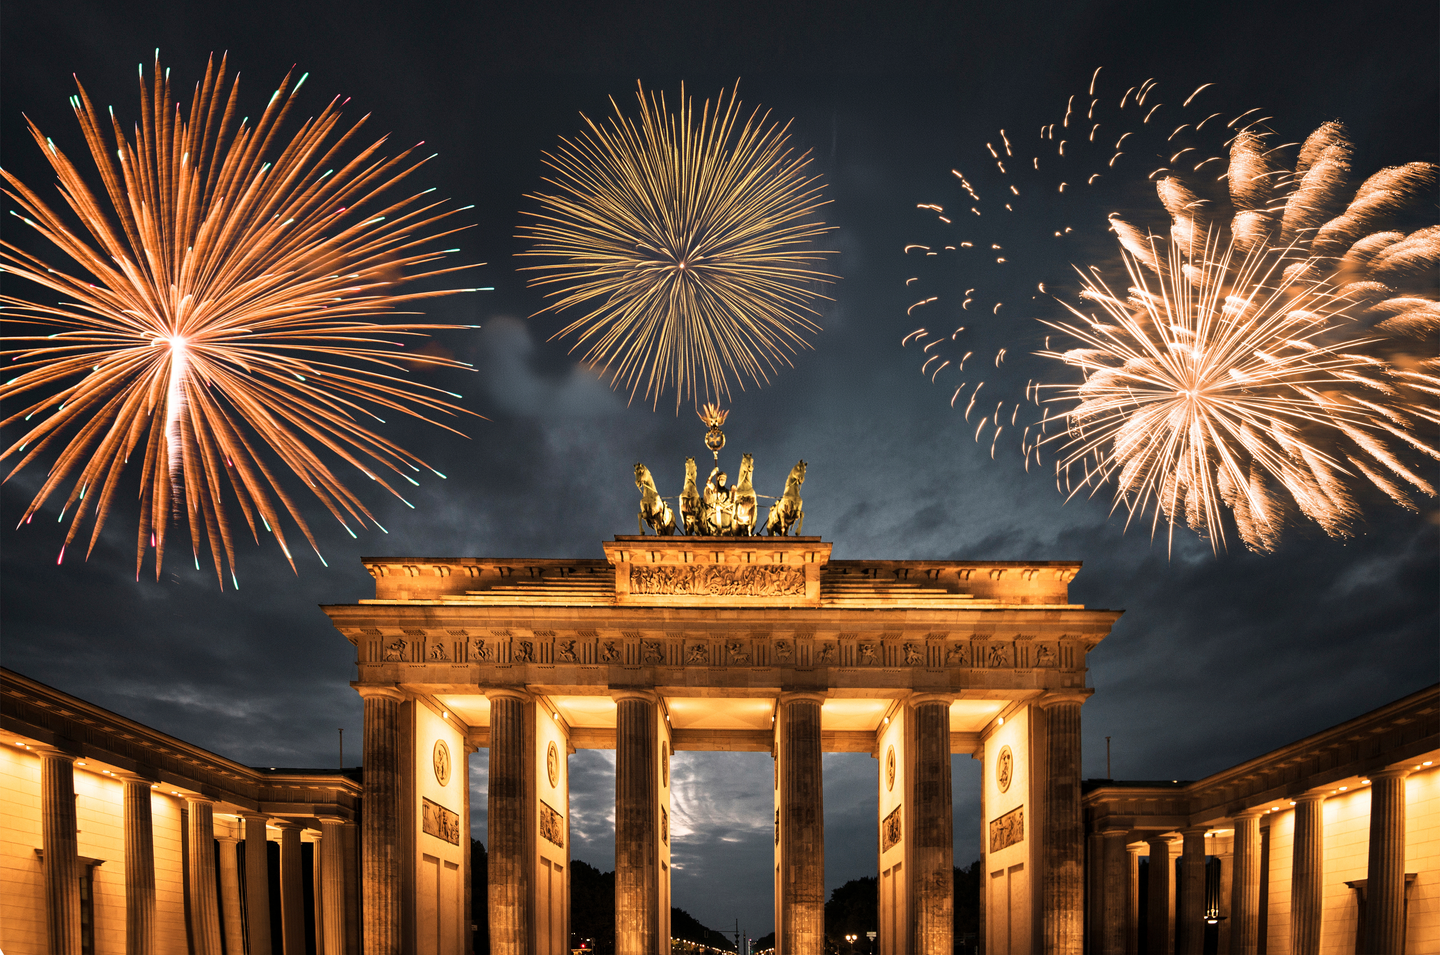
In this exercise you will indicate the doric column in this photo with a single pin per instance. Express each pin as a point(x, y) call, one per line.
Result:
point(62, 850)
point(139, 868)
point(1192, 891)
point(1222, 902)
point(1114, 863)
point(332, 882)
point(932, 815)
point(231, 918)
point(1157, 905)
point(257, 885)
point(1063, 898)
point(1307, 873)
point(1132, 899)
point(637, 899)
point(1385, 879)
point(380, 839)
point(1245, 885)
point(506, 826)
point(802, 826)
point(292, 889)
point(317, 892)
point(204, 900)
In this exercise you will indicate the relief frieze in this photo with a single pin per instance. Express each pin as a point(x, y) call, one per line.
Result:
point(890, 830)
point(439, 822)
point(1008, 830)
point(552, 825)
point(711, 580)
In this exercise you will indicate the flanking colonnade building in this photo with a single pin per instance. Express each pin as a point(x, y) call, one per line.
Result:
point(686, 643)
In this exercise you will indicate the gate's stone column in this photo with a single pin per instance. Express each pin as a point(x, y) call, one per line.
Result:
point(1132, 899)
point(1307, 874)
point(1063, 898)
point(1192, 895)
point(257, 884)
point(332, 885)
point(292, 889)
point(1385, 879)
point(507, 825)
point(204, 899)
point(1245, 885)
point(1115, 893)
point(932, 865)
point(801, 805)
point(231, 918)
point(637, 808)
point(62, 850)
point(139, 868)
point(1157, 903)
point(380, 846)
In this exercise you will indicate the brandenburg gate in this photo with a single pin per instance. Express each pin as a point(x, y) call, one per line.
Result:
point(752, 643)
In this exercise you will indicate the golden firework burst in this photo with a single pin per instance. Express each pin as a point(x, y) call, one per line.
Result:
point(687, 240)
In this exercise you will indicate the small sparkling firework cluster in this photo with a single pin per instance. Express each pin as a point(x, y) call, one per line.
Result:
point(213, 317)
point(687, 241)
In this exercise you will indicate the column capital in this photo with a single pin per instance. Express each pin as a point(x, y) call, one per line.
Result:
point(927, 697)
point(1312, 795)
point(284, 823)
point(1392, 772)
point(53, 752)
point(793, 696)
point(634, 693)
point(200, 799)
point(227, 837)
point(247, 815)
point(1068, 695)
point(332, 820)
point(1110, 831)
point(383, 692)
point(126, 776)
point(1248, 814)
point(1195, 831)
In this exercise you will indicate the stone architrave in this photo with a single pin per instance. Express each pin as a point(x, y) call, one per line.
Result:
point(204, 899)
point(1385, 878)
point(1245, 885)
point(1307, 872)
point(380, 842)
point(62, 850)
point(257, 884)
point(139, 868)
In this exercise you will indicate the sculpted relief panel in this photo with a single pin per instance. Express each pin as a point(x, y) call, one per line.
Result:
point(706, 580)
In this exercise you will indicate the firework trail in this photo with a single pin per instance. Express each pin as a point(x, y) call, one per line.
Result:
point(212, 317)
point(687, 240)
point(1274, 361)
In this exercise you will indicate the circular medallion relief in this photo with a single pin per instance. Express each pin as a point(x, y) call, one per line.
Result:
point(1004, 768)
point(664, 764)
point(442, 762)
point(890, 769)
point(552, 764)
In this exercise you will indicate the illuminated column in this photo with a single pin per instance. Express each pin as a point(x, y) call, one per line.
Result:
point(637, 899)
point(1132, 899)
point(380, 839)
point(1307, 874)
point(62, 852)
point(332, 881)
point(1192, 895)
point(1114, 862)
point(802, 826)
point(1385, 880)
point(1157, 915)
point(292, 889)
point(1245, 886)
point(1063, 899)
point(317, 890)
point(139, 868)
point(204, 901)
point(1224, 856)
point(932, 865)
point(257, 885)
point(507, 824)
point(231, 919)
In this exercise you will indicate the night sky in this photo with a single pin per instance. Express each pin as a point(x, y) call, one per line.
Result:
point(1217, 659)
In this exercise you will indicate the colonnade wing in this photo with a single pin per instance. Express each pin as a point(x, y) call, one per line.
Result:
point(759, 645)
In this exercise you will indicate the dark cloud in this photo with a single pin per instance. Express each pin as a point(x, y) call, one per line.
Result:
point(1218, 657)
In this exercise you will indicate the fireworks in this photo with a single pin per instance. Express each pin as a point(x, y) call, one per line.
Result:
point(687, 240)
point(1280, 360)
point(211, 317)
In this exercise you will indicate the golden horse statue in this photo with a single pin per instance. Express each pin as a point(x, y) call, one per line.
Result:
point(790, 508)
point(747, 505)
point(653, 509)
point(691, 507)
